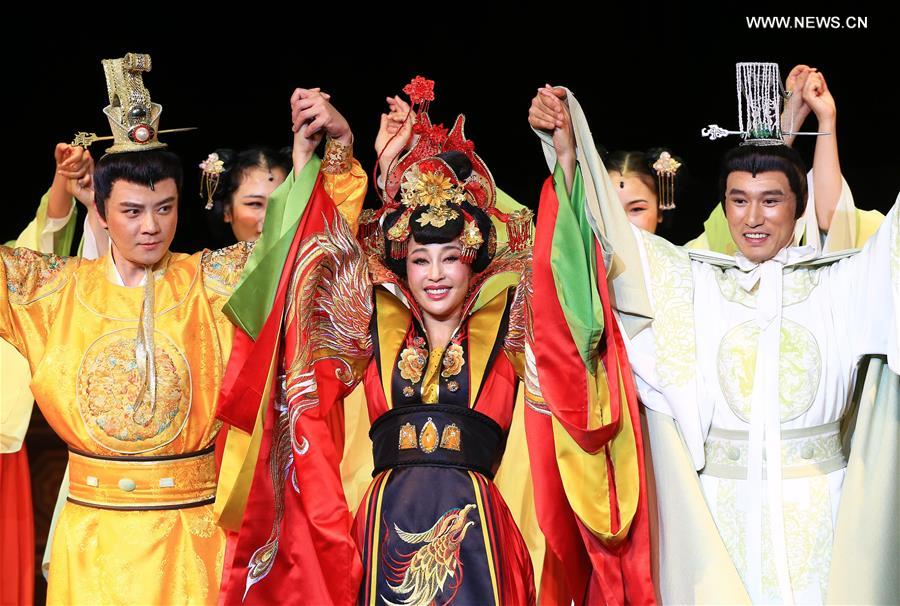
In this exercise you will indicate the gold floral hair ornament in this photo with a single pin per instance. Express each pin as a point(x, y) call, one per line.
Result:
point(430, 184)
point(211, 171)
point(133, 117)
point(666, 167)
point(471, 240)
point(518, 228)
point(434, 188)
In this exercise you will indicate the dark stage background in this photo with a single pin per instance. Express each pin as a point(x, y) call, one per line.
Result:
point(646, 77)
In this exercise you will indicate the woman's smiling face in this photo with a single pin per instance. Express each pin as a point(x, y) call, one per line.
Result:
point(437, 277)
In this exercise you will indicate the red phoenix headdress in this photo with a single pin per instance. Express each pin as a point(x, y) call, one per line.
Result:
point(418, 178)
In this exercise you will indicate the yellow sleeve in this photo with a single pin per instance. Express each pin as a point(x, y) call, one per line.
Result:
point(344, 181)
point(716, 235)
point(28, 283)
point(357, 463)
point(236, 473)
point(43, 235)
point(222, 271)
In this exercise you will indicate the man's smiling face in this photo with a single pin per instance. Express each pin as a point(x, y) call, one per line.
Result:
point(761, 212)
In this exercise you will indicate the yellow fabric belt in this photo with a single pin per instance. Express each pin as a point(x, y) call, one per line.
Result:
point(805, 452)
point(143, 483)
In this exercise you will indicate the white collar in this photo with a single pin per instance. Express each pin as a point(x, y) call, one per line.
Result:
point(786, 257)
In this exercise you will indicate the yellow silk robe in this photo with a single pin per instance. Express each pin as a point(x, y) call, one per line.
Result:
point(77, 328)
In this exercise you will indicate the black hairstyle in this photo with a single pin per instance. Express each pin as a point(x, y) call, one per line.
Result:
point(141, 168)
point(452, 229)
point(765, 158)
point(636, 163)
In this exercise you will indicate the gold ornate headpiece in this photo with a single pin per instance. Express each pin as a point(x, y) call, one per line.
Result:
point(133, 117)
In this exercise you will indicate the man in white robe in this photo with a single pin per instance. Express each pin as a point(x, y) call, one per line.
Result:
point(747, 367)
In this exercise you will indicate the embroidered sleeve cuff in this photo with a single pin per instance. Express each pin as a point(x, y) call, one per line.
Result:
point(338, 157)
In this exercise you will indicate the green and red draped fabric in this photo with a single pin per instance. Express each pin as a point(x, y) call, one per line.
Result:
point(295, 528)
point(257, 304)
point(587, 458)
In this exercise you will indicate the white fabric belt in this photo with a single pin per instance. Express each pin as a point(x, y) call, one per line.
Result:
point(805, 452)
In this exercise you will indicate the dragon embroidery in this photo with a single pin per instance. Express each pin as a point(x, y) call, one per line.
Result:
point(330, 299)
point(280, 467)
point(422, 573)
point(327, 316)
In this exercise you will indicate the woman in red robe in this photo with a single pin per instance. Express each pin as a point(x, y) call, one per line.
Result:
point(432, 310)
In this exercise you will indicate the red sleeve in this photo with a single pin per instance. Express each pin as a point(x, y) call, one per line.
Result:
point(581, 567)
point(294, 544)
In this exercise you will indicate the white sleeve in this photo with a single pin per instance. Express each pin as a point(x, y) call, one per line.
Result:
point(663, 356)
point(90, 249)
point(52, 226)
point(865, 293)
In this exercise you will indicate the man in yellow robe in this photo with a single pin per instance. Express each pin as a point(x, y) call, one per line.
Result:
point(127, 353)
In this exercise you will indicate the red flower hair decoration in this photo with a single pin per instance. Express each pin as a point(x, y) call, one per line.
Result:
point(420, 90)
